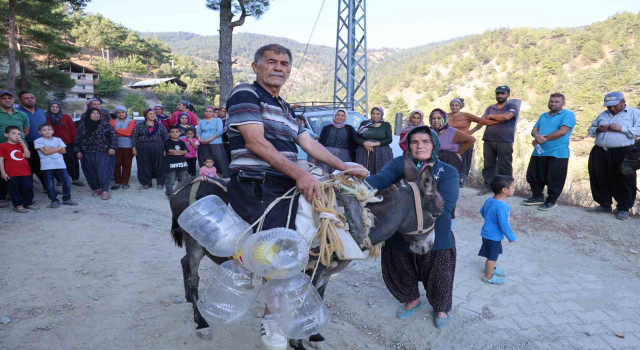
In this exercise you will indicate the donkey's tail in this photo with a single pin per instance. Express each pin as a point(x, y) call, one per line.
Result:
point(176, 232)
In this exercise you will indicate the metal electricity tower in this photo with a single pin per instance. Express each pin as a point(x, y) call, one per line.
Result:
point(350, 85)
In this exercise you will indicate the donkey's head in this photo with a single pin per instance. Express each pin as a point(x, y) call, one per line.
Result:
point(631, 161)
point(431, 205)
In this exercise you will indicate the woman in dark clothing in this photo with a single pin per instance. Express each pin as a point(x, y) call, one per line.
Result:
point(96, 144)
point(65, 129)
point(148, 148)
point(373, 138)
point(402, 269)
point(338, 139)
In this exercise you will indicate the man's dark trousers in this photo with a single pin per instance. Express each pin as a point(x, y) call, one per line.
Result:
point(547, 171)
point(607, 180)
point(498, 160)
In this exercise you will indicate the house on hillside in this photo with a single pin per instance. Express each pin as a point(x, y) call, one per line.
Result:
point(86, 80)
point(149, 83)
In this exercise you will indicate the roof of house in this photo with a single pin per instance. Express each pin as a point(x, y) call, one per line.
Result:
point(76, 68)
point(153, 82)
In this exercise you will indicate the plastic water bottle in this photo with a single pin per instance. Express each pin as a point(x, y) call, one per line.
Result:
point(230, 294)
point(277, 253)
point(214, 225)
point(539, 149)
point(296, 305)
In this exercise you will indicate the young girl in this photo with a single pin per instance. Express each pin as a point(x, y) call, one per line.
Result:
point(495, 212)
point(208, 169)
point(192, 146)
point(124, 154)
point(183, 123)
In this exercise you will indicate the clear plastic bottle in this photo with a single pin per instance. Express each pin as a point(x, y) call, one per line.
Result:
point(230, 294)
point(277, 253)
point(296, 306)
point(214, 225)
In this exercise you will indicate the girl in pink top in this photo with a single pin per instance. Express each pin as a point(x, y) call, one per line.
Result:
point(192, 146)
point(208, 169)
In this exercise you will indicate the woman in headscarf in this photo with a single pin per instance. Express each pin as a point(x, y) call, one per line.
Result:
point(403, 270)
point(124, 155)
point(462, 122)
point(210, 137)
point(183, 123)
point(416, 119)
point(183, 107)
point(453, 142)
point(161, 117)
point(65, 129)
point(97, 103)
point(373, 138)
point(338, 138)
point(148, 148)
point(96, 146)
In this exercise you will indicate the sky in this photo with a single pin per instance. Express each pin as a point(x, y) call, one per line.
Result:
point(390, 24)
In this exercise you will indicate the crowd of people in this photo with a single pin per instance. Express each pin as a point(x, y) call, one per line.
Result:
point(258, 147)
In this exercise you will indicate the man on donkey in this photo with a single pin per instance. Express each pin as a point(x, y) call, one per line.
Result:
point(263, 133)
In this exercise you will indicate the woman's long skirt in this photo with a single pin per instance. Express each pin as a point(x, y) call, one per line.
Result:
point(219, 155)
point(401, 272)
point(150, 161)
point(98, 169)
point(340, 153)
point(376, 160)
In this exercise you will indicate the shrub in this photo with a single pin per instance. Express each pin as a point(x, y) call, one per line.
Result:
point(134, 102)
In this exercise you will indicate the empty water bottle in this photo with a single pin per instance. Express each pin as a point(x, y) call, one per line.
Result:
point(230, 294)
point(539, 149)
point(277, 253)
point(296, 305)
point(214, 225)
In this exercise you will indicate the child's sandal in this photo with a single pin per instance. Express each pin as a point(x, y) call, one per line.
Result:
point(499, 272)
point(54, 205)
point(19, 209)
point(494, 280)
point(32, 207)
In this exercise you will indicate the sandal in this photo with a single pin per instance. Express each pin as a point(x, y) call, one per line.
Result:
point(440, 322)
point(54, 205)
point(32, 207)
point(106, 196)
point(499, 272)
point(494, 280)
point(404, 313)
point(20, 209)
point(69, 202)
point(78, 183)
point(96, 193)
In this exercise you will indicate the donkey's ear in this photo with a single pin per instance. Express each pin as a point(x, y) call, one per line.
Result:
point(426, 182)
point(411, 174)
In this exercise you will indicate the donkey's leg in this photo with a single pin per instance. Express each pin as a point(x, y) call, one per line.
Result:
point(186, 271)
point(195, 252)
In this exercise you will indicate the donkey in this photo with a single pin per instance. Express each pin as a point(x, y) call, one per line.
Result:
point(395, 213)
point(631, 161)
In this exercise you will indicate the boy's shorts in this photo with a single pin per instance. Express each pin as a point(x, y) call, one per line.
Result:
point(490, 249)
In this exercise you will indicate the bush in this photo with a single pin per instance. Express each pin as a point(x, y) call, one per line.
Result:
point(135, 103)
point(109, 84)
point(170, 103)
point(167, 89)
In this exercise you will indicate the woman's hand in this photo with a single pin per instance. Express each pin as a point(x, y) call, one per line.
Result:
point(112, 152)
point(79, 155)
point(134, 151)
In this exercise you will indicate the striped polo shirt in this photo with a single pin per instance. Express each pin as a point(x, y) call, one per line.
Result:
point(252, 104)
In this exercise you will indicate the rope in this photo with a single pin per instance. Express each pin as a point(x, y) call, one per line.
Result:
point(327, 219)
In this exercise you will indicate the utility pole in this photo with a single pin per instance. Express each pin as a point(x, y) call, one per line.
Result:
point(350, 85)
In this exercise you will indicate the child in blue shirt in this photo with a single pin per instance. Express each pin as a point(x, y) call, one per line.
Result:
point(495, 212)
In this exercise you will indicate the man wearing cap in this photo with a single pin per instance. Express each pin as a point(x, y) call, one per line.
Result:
point(550, 158)
point(614, 130)
point(9, 117)
point(36, 117)
point(498, 138)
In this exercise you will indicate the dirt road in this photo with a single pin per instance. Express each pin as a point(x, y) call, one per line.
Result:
point(106, 275)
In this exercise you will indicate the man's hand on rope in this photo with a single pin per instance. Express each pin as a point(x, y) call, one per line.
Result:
point(309, 186)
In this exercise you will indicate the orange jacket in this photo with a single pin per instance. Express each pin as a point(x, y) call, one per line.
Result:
point(125, 132)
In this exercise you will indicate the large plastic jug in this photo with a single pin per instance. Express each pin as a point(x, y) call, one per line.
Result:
point(230, 294)
point(277, 253)
point(214, 225)
point(296, 305)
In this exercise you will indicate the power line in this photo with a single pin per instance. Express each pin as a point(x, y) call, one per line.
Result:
point(293, 81)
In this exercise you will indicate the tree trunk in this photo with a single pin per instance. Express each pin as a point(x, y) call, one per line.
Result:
point(21, 60)
point(108, 58)
point(102, 50)
point(224, 51)
point(11, 79)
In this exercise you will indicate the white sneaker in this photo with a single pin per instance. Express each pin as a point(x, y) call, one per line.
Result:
point(271, 334)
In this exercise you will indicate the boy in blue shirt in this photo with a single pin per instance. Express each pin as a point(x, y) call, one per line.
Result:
point(495, 212)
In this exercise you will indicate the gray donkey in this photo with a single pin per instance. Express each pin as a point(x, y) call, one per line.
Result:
point(395, 213)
